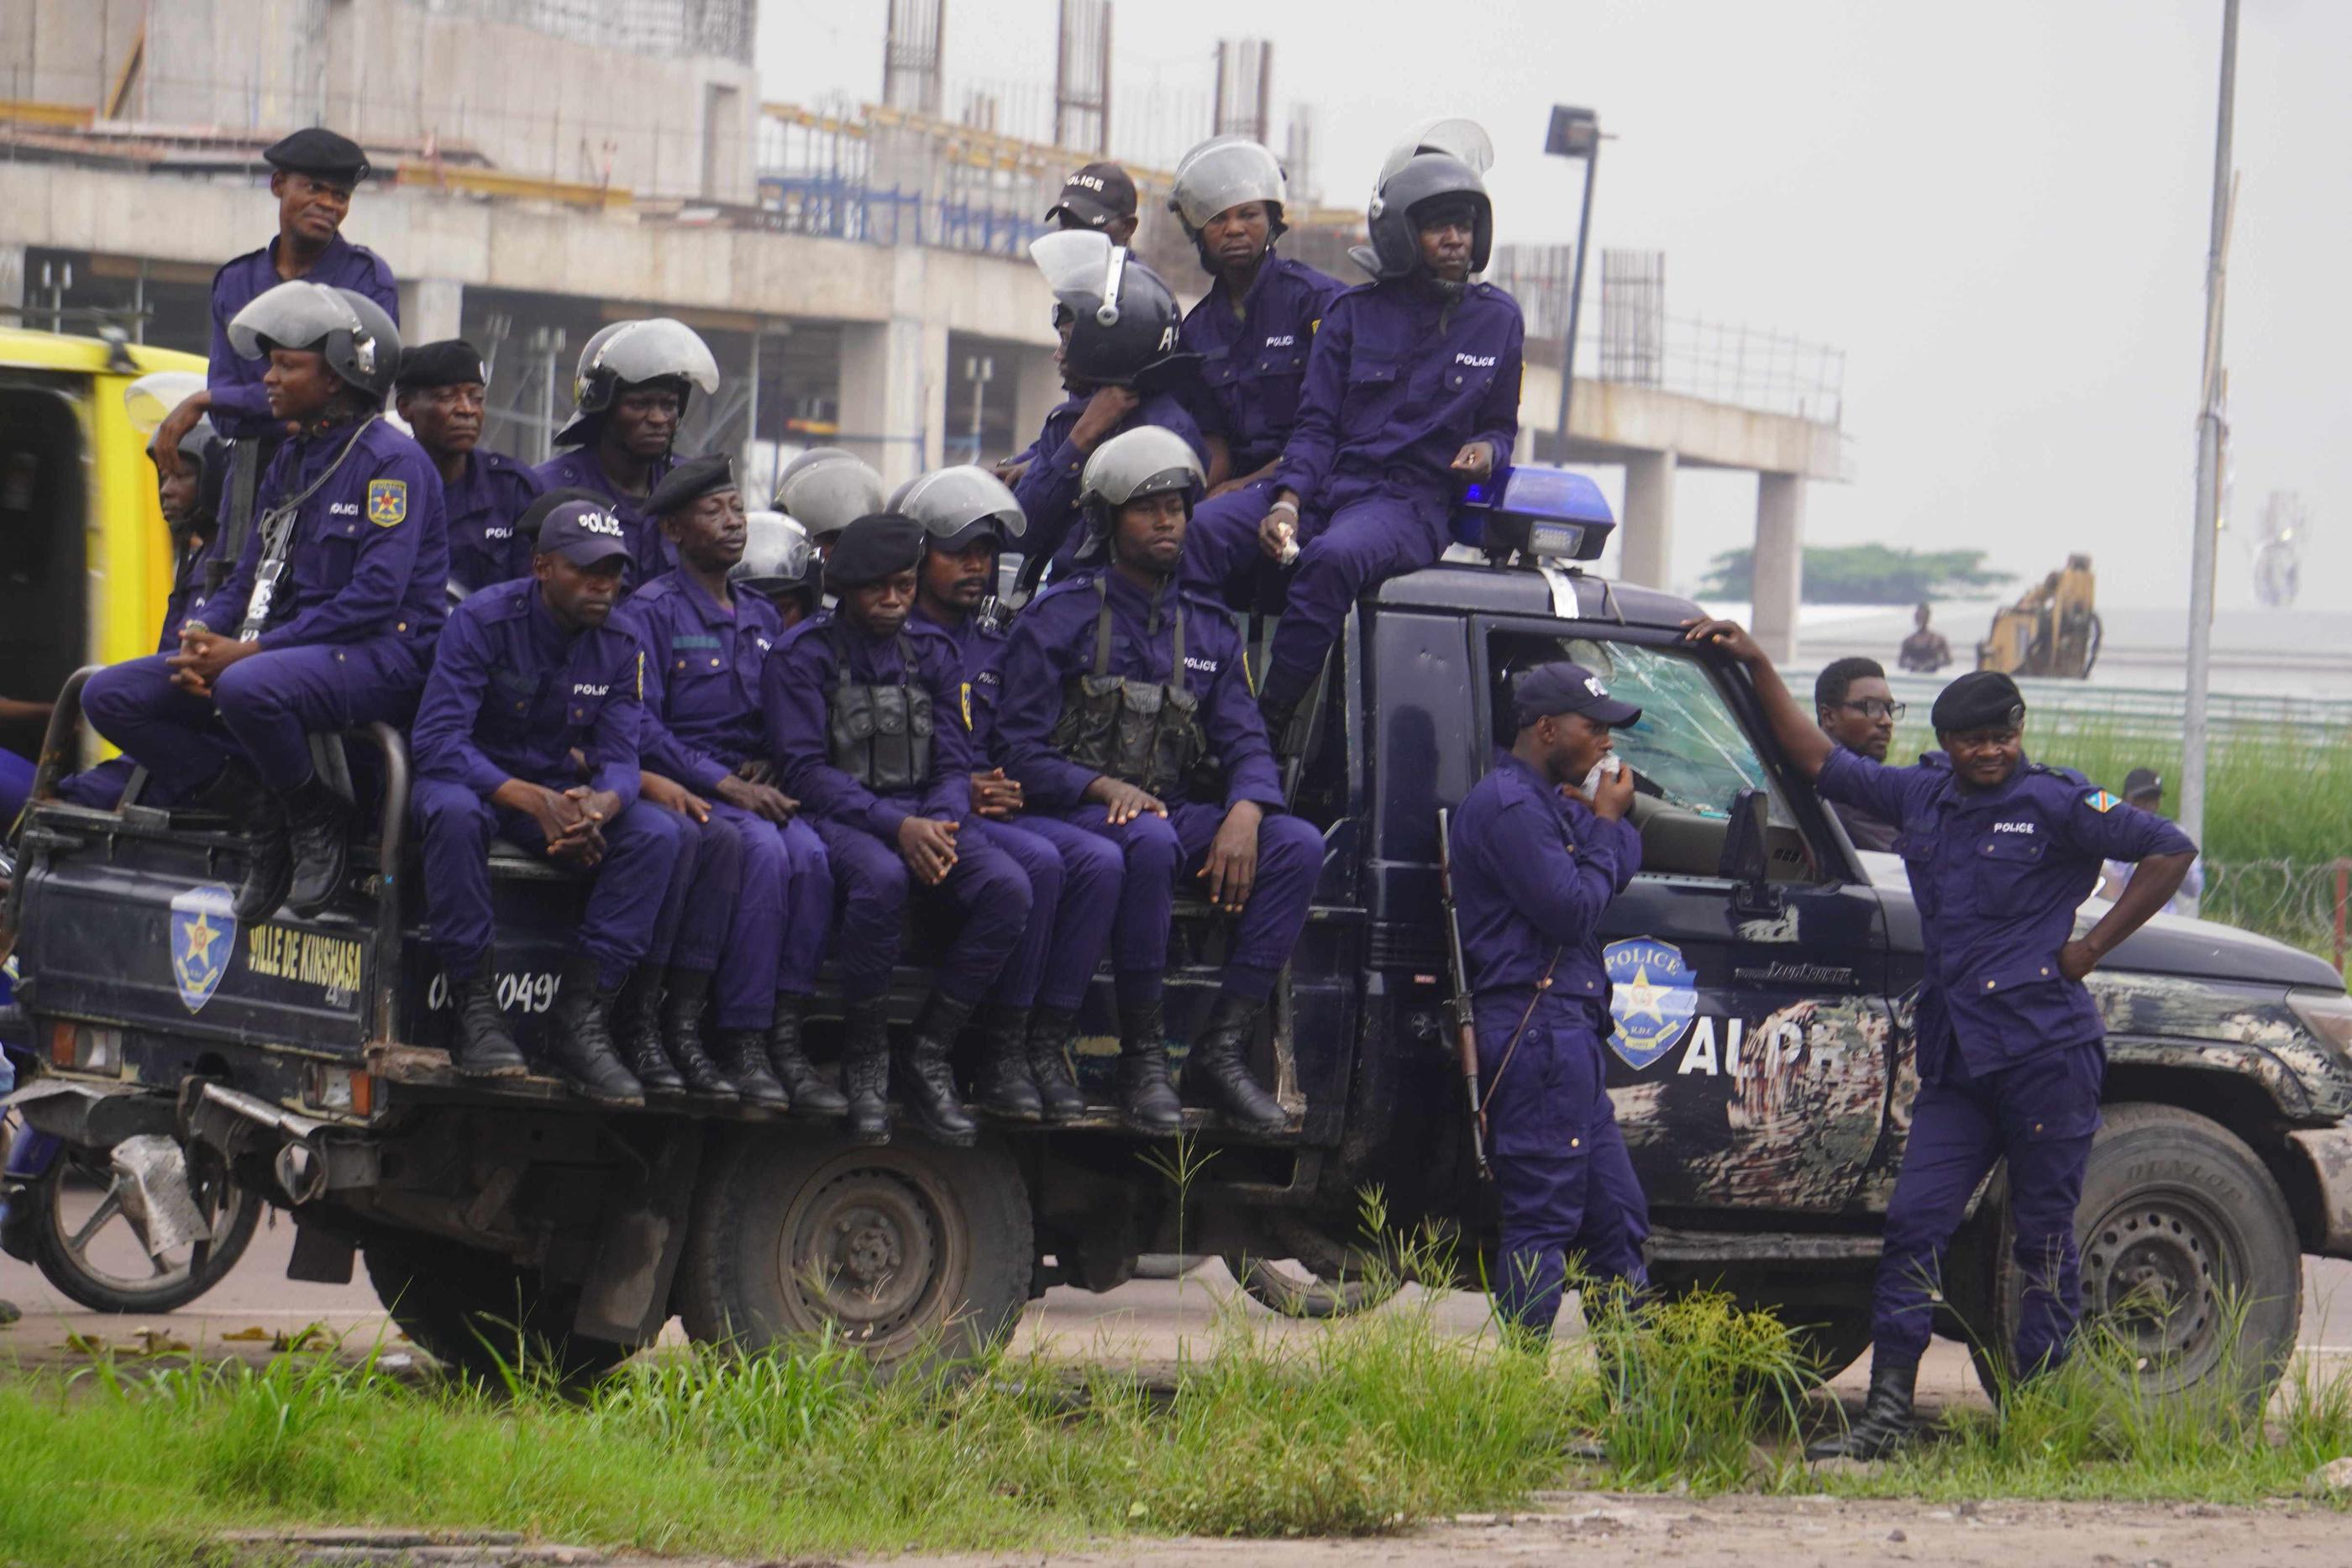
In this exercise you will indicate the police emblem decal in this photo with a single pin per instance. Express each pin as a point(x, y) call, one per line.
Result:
point(387, 501)
point(2101, 801)
point(1652, 997)
point(204, 941)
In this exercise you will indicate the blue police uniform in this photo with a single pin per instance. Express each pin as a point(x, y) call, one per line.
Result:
point(101, 787)
point(1055, 640)
point(1533, 871)
point(2012, 1054)
point(703, 720)
point(240, 408)
point(650, 555)
point(1253, 374)
point(483, 508)
point(1074, 876)
point(1400, 380)
point(352, 621)
point(1048, 486)
point(860, 828)
point(511, 695)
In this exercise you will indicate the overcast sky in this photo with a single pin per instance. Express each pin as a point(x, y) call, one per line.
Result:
point(1997, 209)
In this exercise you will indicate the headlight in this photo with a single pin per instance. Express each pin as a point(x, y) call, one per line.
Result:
point(2327, 1014)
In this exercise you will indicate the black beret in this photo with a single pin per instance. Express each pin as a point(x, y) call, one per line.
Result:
point(878, 545)
point(320, 151)
point(451, 362)
point(1981, 699)
point(536, 513)
point(689, 482)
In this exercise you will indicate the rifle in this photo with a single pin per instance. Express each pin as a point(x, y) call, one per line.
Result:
point(1466, 1035)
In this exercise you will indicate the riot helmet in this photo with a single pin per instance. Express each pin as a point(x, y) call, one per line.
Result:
point(1425, 179)
point(1222, 172)
point(148, 402)
point(632, 353)
point(825, 489)
point(1463, 139)
point(1145, 460)
point(1124, 320)
point(360, 343)
point(957, 504)
point(777, 556)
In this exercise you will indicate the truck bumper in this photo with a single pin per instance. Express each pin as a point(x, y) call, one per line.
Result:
point(2329, 1150)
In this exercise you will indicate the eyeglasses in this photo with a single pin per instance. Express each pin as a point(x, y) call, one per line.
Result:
point(1875, 707)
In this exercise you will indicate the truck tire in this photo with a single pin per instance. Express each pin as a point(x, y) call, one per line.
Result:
point(2181, 1228)
point(912, 1252)
point(481, 1314)
point(63, 1248)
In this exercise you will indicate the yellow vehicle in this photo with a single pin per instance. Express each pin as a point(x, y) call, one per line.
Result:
point(2053, 630)
point(85, 560)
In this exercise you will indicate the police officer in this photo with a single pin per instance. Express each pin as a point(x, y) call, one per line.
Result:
point(2012, 1054)
point(779, 565)
point(440, 393)
point(865, 713)
point(1075, 875)
point(1116, 685)
point(825, 489)
point(1121, 376)
point(706, 643)
point(1536, 861)
point(526, 673)
point(1856, 708)
point(1099, 197)
point(632, 388)
point(326, 622)
point(1412, 389)
point(312, 174)
point(1252, 330)
point(189, 495)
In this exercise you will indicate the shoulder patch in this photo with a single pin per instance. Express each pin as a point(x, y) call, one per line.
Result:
point(387, 502)
point(2100, 801)
point(967, 704)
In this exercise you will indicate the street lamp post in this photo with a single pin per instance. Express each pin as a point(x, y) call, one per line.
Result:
point(1574, 133)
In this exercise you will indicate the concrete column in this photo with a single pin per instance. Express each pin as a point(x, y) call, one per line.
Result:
point(894, 394)
point(12, 280)
point(1037, 389)
point(1647, 531)
point(430, 308)
point(1779, 575)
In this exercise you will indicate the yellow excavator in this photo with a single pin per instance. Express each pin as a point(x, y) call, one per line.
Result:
point(2051, 631)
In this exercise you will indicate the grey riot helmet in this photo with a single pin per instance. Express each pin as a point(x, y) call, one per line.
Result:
point(1223, 172)
point(631, 354)
point(1124, 320)
point(1423, 181)
point(957, 506)
point(360, 343)
point(825, 489)
point(1146, 461)
point(777, 556)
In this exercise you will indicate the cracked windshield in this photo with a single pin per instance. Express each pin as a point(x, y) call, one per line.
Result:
point(1687, 744)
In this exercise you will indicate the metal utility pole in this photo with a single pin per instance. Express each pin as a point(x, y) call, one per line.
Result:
point(2210, 433)
point(1574, 133)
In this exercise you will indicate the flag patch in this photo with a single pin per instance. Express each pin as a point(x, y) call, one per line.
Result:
point(2100, 801)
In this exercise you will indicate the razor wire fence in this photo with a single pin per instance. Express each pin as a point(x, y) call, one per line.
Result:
point(2302, 903)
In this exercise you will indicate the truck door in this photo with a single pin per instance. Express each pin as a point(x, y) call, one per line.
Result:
point(1752, 1052)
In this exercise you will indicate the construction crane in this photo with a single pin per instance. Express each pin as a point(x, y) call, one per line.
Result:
point(2053, 630)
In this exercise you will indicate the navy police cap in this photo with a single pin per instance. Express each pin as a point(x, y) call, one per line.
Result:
point(1563, 687)
point(1981, 699)
point(320, 151)
point(689, 482)
point(584, 533)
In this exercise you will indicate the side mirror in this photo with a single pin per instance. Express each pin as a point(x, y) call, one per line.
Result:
point(1745, 862)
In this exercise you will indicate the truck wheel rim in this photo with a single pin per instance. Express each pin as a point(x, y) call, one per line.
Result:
point(2155, 1269)
point(865, 1250)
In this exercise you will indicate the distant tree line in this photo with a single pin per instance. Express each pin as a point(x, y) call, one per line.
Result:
point(1864, 574)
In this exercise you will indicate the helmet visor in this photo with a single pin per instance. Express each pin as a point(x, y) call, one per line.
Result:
point(1141, 461)
point(1074, 261)
point(949, 500)
point(775, 550)
point(827, 497)
point(296, 315)
point(1457, 138)
point(150, 400)
point(650, 349)
point(1225, 174)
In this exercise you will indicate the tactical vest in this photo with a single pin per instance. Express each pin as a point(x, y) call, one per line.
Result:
point(880, 735)
point(1142, 732)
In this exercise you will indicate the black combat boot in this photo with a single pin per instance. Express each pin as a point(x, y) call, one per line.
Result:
point(1053, 1033)
point(584, 1038)
point(866, 1068)
point(1216, 1068)
point(486, 1047)
point(1147, 1101)
point(254, 811)
point(636, 1027)
point(925, 1081)
point(744, 1053)
point(812, 1092)
point(318, 838)
point(683, 993)
point(1005, 1087)
point(1885, 1425)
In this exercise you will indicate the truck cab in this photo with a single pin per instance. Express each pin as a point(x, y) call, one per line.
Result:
point(1761, 1061)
